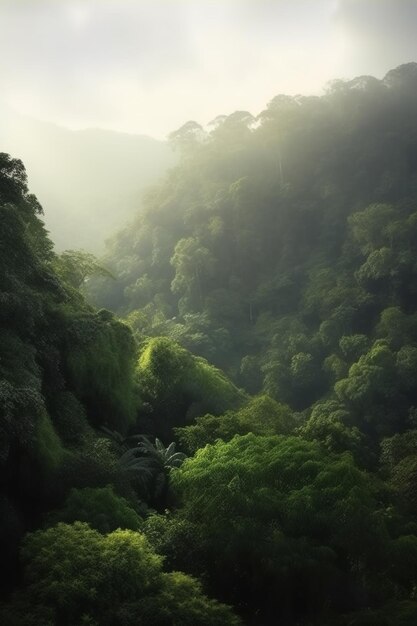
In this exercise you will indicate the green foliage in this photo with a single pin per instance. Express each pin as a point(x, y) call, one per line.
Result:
point(284, 252)
point(328, 424)
point(18, 363)
point(74, 267)
point(370, 227)
point(407, 366)
point(101, 508)
point(75, 575)
point(403, 480)
point(397, 327)
point(70, 418)
point(48, 445)
point(149, 467)
point(298, 258)
point(177, 538)
point(163, 365)
point(181, 601)
point(261, 416)
point(93, 465)
point(193, 264)
point(72, 569)
point(20, 409)
point(100, 362)
point(371, 379)
point(178, 386)
point(396, 448)
point(168, 457)
point(335, 367)
point(61, 367)
point(353, 346)
point(316, 513)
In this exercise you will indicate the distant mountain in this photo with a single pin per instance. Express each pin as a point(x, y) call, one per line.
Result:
point(89, 182)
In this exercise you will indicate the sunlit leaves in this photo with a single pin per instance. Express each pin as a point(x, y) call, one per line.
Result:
point(179, 386)
point(75, 266)
point(101, 508)
point(312, 510)
point(75, 575)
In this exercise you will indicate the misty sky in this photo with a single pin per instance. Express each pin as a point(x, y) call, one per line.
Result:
point(147, 66)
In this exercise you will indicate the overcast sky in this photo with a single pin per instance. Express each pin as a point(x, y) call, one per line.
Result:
point(147, 66)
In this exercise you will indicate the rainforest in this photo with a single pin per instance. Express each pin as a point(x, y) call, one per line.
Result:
point(215, 422)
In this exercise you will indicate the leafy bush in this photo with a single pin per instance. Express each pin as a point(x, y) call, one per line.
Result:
point(100, 359)
point(178, 386)
point(276, 510)
point(101, 508)
point(74, 575)
point(261, 415)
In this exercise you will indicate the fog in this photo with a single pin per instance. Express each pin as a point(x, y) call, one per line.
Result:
point(89, 182)
point(145, 68)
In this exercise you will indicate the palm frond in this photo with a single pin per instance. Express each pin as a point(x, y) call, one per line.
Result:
point(159, 446)
point(170, 450)
point(176, 459)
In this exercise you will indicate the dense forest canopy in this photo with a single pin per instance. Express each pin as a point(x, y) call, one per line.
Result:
point(216, 423)
point(282, 248)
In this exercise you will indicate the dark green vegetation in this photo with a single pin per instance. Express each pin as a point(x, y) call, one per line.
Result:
point(284, 251)
point(66, 372)
point(75, 575)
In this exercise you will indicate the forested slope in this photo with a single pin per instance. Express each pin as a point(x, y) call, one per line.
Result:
point(283, 250)
point(67, 381)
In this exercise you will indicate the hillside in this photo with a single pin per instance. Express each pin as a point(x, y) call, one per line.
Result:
point(69, 394)
point(233, 438)
point(277, 238)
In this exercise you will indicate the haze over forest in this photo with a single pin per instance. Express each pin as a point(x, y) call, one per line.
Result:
point(211, 421)
point(90, 182)
point(146, 68)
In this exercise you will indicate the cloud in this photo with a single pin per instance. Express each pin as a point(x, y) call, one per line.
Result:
point(147, 67)
point(381, 33)
point(62, 56)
